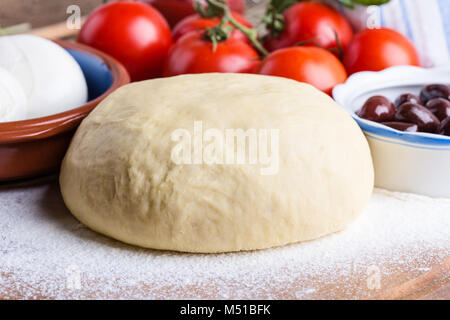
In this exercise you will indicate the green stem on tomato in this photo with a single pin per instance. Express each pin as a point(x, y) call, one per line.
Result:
point(216, 35)
point(251, 34)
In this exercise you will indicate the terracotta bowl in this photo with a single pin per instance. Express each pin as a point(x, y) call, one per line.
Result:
point(35, 147)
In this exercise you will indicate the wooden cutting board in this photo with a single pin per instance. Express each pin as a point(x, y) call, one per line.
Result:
point(396, 284)
point(404, 286)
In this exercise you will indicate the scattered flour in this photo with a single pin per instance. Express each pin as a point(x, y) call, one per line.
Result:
point(45, 252)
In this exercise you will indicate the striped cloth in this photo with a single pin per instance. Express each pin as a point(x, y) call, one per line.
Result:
point(425, 22)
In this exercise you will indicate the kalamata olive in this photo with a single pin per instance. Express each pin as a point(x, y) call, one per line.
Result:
point(407, 97)
point(415, 113)
point(440, 108)
point(444, 128)
point(433, 91)
point(402, 126)
point(377, 108)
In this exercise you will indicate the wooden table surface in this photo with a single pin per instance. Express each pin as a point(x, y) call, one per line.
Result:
point(40, 13)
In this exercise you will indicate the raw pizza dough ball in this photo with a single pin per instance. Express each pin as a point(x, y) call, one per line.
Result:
point(119, 179)
point(51, 78)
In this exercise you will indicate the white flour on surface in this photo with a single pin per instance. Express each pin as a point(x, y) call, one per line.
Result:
point(45, 252)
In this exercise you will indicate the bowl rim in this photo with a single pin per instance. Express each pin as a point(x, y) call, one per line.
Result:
point(383, 132)
point(44, 127)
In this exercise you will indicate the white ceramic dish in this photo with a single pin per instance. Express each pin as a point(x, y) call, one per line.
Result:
point(408, 162)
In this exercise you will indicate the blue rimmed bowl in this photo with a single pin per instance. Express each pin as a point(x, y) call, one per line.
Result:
point(403, 161)
point(37, 146)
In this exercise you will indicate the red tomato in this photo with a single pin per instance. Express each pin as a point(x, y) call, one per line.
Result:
point(312, 65)
point(193, 54)
point(134, 33)
point(197, 22)
point(175, 10)
point(378, 49)
point(313, 22)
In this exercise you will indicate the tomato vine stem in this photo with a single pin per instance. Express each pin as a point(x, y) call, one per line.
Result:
point(218, 7)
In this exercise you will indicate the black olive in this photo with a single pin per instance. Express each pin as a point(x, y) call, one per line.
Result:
point(433, 91)
point(377, 108)
point(440, 108)
point(402, 126)
point(415, 113)
point(407, 97)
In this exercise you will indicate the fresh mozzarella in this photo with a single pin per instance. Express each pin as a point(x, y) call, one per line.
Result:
point(52, 79)
point(13, 102)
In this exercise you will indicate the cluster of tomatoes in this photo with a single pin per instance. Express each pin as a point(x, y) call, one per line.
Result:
point(316, 43)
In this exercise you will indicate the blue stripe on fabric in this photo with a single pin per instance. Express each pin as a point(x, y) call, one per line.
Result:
point(382, 22)
point(444, 8)
point(406, 19)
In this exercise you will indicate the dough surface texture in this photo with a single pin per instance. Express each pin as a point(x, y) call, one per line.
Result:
point(119, 179)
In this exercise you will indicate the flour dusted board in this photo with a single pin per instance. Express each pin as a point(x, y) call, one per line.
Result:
point(46, 253)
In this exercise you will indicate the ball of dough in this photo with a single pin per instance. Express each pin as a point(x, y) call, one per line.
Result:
point(51, 78)
point(119, 176)
point(13, 102)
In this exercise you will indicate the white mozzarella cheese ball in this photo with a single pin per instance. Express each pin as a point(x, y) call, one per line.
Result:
point(13, 102)
point(52, 80)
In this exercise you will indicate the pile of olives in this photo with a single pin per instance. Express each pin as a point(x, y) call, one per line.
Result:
point(430, 112)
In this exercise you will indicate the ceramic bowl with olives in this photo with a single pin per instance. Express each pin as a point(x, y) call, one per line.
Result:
point(404, 113)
